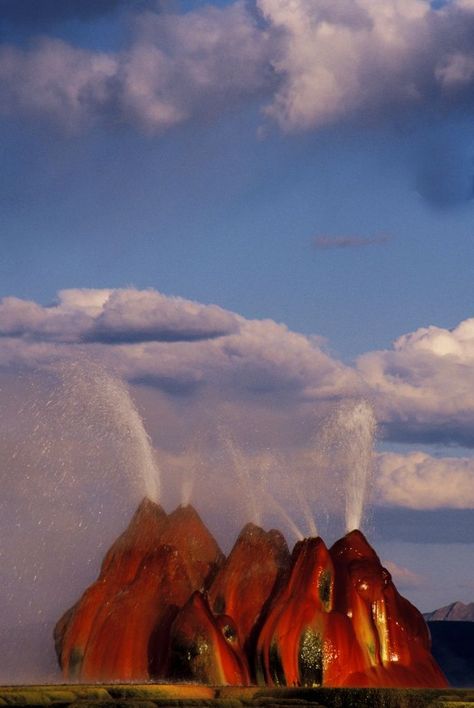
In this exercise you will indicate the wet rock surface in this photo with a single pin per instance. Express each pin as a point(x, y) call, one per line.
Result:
point(168, 605)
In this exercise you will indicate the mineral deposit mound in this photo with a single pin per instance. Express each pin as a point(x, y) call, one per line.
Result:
point(168, 605)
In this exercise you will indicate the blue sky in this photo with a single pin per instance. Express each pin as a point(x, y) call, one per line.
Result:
point(308, 170)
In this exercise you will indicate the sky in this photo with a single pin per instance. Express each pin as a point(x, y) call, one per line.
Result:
point(232, 231)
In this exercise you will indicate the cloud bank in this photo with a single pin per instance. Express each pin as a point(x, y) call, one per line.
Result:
point(171, 343)
point(419, 481)
point(421, 389)
point(266, 379)
point(198, 371)
point(310, 62)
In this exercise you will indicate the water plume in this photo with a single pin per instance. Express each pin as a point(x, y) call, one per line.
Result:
point(243, 473)
point(113, 416)
point(352, 431)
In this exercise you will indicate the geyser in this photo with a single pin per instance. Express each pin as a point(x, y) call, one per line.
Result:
point(168, 605)
point(116, 415)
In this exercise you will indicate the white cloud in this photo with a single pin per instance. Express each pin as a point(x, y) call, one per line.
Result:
point(126, 315)
point(64, 84)
point(423, 388)
point(172, 343)
point(419, 481)
point(177, 66)
point(313, 62)
point(336, 59)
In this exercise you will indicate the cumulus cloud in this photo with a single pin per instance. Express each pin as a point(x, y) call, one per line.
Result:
point(54, 80)
point(115, 316)
point(312, 62)
point(338, 60)
point(172, 343)
point(419, 481)
point(326, 243)
point(423, 387)
point(177, 66)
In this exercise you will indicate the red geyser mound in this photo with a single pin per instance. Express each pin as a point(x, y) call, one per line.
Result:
point(205, 648)
point(391, 631)
point(304, 642)
point(120, 624)
point(168, 605)
point(248, 577)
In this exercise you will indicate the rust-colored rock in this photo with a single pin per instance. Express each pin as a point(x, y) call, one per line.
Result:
point(249, 576)
point(119, 568)
point(119, 626)
point(391, 632)
point(167, 604)
point(138, 615)
point(197, 547)
point(204, 648)
point(303, 641)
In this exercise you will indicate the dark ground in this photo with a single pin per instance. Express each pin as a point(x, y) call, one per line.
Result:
point(453, 649)
point(149, 696)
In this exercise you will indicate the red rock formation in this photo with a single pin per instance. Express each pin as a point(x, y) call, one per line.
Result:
point(148, 573)
point(204, 648)
point(250, 574)
point(143, 610)
point(185, 531)
point(333, 618)
point(119, 568)
point(391, 631)
point(303, 642)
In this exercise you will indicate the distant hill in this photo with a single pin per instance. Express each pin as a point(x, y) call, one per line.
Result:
point(453, 649)
point(456, 612)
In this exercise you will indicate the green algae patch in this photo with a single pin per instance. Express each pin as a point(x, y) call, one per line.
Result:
point(187, 695)
point(26, 697)
point(157, 691)
point(236, 693)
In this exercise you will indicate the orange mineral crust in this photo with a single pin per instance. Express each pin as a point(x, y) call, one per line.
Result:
point(168, 605)
point(304, 642)
point(249, 576)
point(118, 570)
point(146, 576)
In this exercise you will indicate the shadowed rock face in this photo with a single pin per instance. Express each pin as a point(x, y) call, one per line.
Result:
point(119, 642)
point(168, 605)
point(205, 648)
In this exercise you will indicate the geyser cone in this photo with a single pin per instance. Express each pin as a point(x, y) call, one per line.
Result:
point(250, 574)
point(138, 615)
point(391, 631)
point(119, 569)
point(205, 648)
point(196, 545)
point(303, 642)
point(147, 574)
point(334, 618)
